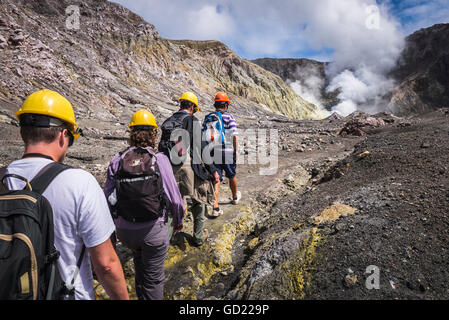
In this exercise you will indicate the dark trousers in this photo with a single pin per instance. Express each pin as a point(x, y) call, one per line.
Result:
point(149, 246)
point(199, 218)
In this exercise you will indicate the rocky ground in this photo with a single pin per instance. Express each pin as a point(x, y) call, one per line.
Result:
point(384, 204)
point(335, 206)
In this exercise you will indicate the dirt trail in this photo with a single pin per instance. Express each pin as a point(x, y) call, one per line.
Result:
point(209, 271)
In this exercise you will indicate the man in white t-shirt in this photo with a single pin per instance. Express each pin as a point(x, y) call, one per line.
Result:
point(80, 211)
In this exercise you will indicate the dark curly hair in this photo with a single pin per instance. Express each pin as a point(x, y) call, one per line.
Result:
point(143, 138)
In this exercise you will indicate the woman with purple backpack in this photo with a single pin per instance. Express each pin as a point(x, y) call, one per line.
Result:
point(142, 192)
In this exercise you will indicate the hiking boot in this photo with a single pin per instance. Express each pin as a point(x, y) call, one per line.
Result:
point(177, 239)
point(197, 242)
point(235, 201)
point(216, 212)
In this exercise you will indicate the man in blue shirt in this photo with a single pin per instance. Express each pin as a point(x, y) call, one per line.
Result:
point(221, 105)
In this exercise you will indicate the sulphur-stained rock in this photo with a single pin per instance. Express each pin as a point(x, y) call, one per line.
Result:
point(350, 280)
point(294, 233)
point(334, 212)
point(253, 243)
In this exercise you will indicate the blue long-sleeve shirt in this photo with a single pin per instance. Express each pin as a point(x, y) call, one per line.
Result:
point(170, 187)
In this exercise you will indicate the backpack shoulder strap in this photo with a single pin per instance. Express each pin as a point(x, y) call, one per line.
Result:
point(71, 286)
point(150, 151)
point(43, 179)
point(123, 153)
point(220, 117)
point(185, 115)
point(2, 172)
point(183, 119)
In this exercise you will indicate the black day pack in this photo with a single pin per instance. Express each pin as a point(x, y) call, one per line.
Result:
point(28, 257)
point(140, 190)
point(176, 121)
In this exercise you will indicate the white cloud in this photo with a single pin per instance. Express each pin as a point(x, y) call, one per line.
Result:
point(423, 13)
point(260, 28)
point(345, 107)
point(208, 23)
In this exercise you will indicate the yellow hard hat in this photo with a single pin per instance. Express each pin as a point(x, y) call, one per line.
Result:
point(50, 103)
point(143, 118)
point(190, 96)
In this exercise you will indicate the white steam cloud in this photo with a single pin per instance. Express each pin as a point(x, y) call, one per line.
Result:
point(311, 84)
point(366, 41)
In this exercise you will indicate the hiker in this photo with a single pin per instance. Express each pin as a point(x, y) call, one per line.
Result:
point(195, 179)
point(220, 128)
point(80, 211)
point(142, 190)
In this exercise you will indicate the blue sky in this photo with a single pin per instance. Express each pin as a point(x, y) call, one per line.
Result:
point(286, 28)
point(417, 14)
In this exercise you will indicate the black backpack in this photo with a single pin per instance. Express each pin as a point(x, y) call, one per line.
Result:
point(28, 257)
point(176, 121)
point(140, 190)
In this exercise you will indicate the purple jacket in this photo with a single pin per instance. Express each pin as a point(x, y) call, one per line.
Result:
point(170, 187)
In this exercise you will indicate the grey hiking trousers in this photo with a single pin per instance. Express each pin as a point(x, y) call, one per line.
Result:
point(149, 246)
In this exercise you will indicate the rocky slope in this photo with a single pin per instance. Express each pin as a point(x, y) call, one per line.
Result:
point(291, 69)
point(423, 72)
point(116, 63)
point(307, 77)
